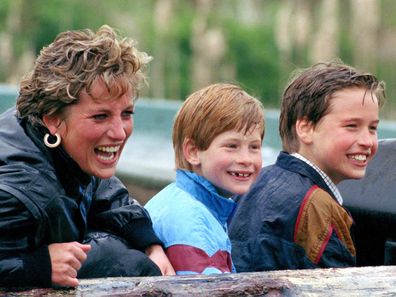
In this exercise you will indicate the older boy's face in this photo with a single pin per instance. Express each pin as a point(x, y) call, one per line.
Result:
point(345, 140)
point(232, 161)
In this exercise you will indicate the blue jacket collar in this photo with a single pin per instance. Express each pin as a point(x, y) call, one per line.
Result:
point(205, 192)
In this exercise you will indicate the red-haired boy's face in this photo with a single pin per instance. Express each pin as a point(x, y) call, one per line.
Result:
point(232, 161)
point(345, 139)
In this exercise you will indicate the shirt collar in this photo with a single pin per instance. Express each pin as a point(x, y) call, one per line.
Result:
point(325, 177)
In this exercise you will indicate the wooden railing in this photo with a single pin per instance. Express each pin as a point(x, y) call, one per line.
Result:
point(363, 281)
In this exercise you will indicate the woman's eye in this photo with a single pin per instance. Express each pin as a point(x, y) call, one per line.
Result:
point(128, 113)
point(101, 116)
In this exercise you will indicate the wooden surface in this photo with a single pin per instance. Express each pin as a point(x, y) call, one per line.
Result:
point(363, 281)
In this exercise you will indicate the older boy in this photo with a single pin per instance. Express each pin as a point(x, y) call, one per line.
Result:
point(293, 218)
point(217, 137)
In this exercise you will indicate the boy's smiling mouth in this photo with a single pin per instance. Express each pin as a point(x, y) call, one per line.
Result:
point(239, 174)
point(359, 157)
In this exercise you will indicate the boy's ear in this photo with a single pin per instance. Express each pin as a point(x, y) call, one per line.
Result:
point(52, 122)
point(190, 152)
point(304, 130)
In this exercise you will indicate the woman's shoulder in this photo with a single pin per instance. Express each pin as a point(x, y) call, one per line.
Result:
point(32, 186)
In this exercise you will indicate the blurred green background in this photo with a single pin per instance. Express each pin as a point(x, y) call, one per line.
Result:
point(256, 43)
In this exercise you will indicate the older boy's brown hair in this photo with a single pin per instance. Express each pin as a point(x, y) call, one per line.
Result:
point(308, 93)
point(211, 111)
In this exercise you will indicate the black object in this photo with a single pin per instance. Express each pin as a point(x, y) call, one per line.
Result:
point(111, 256)
point(372, 203)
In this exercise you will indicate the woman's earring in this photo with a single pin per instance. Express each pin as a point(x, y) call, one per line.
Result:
point(52, 145)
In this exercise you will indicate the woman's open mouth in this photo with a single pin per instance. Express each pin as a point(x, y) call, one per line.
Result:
point(107, 153)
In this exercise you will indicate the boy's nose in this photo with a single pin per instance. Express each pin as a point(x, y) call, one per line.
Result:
point(367, 138)
point(244, 157)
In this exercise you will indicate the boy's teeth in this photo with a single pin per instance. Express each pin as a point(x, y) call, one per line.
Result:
point(240, 174)
point(359, 157)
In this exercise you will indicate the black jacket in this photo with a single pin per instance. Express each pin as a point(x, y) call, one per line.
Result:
point(45, 198)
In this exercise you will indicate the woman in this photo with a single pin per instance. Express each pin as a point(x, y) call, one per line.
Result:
point(63, 214)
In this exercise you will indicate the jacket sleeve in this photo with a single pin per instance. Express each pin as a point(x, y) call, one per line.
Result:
point(323, 230)
point(188, 259)
point(21, 263)
point(114, 211)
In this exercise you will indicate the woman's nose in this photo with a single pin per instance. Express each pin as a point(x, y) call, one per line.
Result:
point(117, 130)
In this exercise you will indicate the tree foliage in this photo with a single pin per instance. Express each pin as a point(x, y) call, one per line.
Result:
point(195, 42)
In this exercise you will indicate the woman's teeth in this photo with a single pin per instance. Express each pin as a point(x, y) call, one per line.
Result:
point(107, 153)
point(108, 149)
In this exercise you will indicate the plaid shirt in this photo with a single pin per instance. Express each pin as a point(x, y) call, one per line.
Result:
point(327, 180)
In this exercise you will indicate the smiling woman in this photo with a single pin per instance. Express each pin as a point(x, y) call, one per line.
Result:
point(94, 131)
point(61, 208)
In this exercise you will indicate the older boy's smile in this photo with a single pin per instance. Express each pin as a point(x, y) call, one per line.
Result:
point(345, 139)
point(359, 157)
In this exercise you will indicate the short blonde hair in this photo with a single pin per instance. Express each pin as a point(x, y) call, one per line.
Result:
point(72, 63)
point(211, 111)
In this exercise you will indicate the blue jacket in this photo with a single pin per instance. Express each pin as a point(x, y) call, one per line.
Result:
point(290, 220)
point(191, 220)
point(46, 198)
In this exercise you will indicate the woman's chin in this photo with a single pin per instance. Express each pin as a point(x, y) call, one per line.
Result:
point(105, 174)
point(102, 171)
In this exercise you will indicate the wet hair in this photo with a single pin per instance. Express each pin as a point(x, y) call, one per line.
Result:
point(211, 111)
point(72, 63)
point(309, 92)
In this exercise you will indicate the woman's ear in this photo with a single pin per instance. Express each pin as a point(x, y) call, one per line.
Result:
point(190, 152)
point(304, 130)
point(52, 122)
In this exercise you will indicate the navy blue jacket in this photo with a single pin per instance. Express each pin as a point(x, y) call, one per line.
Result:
point(45, 198)
point(290, 220)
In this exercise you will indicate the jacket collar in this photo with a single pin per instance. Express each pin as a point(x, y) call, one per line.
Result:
point(202, 190)
point(296, 165)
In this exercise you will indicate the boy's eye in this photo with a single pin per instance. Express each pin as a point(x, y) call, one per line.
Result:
point(255, 147)
point(351, 126)
point(231, 145)
point(373, 128)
